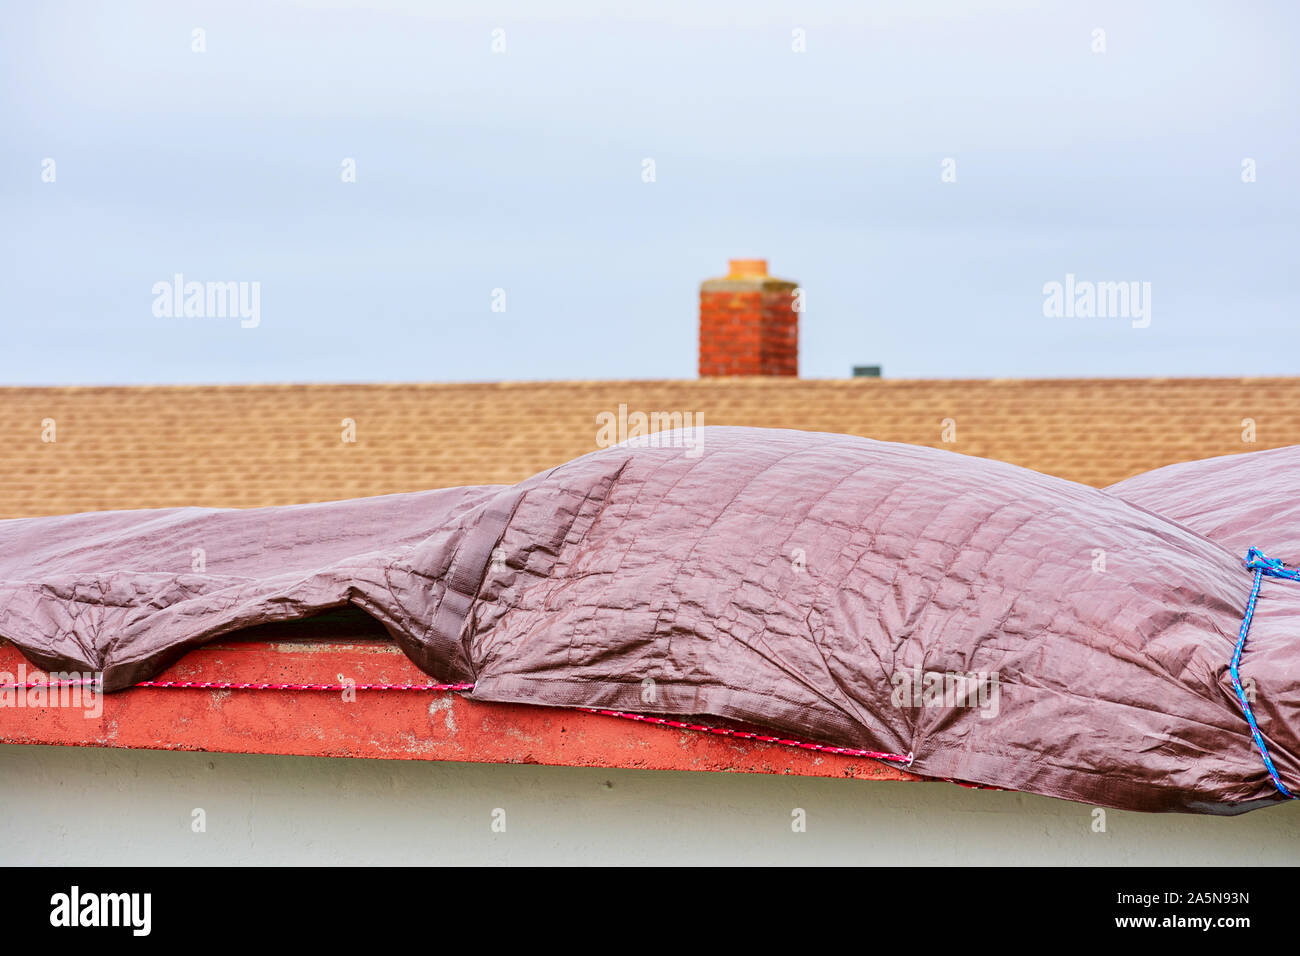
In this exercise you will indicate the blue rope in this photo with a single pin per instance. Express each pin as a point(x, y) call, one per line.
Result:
point(1255, 561)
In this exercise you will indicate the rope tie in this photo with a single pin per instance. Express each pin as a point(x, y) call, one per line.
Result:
point(1261, 565)
point(905, 759)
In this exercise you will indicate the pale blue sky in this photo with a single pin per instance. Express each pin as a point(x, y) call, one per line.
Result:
point(523, 171)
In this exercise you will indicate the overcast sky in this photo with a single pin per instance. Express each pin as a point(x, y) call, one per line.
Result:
point(524, 170)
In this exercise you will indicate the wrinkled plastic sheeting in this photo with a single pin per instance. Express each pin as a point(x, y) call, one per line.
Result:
point(1004, 627)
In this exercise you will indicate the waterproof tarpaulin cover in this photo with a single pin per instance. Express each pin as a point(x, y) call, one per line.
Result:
point(1002, 626)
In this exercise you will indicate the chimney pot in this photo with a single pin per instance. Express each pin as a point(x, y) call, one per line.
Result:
point(747, 269)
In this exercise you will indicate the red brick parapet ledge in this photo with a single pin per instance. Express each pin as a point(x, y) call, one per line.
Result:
point(402, 725)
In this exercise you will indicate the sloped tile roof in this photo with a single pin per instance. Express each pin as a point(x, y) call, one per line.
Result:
point(248, 446)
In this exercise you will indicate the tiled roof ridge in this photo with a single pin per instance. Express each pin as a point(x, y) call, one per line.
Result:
point(745, 382)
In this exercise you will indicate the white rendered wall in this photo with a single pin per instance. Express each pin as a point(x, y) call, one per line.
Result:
point(62, 805)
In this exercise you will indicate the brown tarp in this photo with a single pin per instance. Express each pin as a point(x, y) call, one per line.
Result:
point(1004, 627)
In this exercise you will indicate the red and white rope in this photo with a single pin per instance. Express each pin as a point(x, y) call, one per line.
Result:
point(905, 759)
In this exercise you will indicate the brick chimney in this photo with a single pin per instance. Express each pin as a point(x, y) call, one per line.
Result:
point(748, 323)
